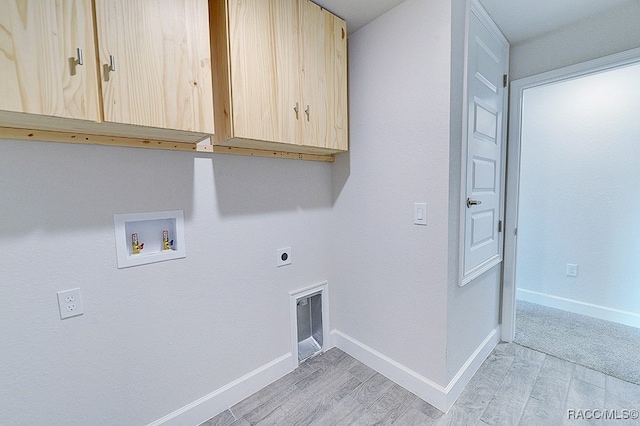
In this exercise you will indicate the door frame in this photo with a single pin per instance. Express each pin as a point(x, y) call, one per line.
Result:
point(517, 88)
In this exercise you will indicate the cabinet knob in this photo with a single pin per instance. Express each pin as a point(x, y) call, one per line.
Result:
point(307, 111)
point(111, 66)
point(296, 109)
point(79, 56)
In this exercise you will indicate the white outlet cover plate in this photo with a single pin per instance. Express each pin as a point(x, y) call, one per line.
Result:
point(70, 303)
point(284, 256)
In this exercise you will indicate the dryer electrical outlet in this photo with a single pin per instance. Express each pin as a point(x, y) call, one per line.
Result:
point(284, 256)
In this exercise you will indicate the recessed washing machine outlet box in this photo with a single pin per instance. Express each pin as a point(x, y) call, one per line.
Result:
point(159, 236)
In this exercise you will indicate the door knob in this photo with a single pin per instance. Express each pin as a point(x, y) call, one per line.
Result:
point(471, 202)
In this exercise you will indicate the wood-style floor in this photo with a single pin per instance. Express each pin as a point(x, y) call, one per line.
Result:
point(514, 386)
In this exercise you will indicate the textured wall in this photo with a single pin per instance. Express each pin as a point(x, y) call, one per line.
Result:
point(612, 31)
point(157, 337)
point(389, 290)
point(578, 186)
point(153, 338)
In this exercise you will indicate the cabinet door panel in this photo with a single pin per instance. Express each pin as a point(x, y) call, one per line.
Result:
point(324, 77)
point(336, 69)
point(162, 63)
point(312, 74)
point(264, 69)
point(39, 40)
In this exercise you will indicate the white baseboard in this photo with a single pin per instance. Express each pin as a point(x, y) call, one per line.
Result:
point(440, 397)
point(221, 399)
point(578, 307)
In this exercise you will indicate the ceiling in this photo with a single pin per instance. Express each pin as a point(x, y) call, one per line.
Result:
point(519, 20)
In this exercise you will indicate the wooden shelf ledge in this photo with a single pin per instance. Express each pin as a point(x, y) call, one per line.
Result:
point(204, 147)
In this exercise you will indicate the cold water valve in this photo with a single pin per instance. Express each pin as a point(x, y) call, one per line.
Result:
point(166, 243)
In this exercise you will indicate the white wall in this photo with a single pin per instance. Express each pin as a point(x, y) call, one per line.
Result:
point(390, 281)
point(153, 338)
point(612, 31)
point(579, 195)
point(395, 284)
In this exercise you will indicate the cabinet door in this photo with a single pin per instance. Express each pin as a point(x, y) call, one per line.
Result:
point(263, 51)
point(155, 63)
point(323, 77)
point(39, 44)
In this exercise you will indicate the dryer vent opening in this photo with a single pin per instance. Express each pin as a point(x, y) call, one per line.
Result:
point(309, 319)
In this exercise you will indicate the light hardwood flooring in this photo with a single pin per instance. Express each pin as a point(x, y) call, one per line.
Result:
point(514, 386)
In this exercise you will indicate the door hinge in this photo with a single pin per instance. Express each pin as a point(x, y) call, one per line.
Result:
point(504, 80)
point(499, 226)
point(515, 231)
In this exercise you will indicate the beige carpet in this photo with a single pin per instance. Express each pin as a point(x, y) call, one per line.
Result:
point(604, 346)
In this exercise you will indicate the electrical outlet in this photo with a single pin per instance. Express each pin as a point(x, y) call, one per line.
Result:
point(70, 303)
point(572, 270)
point(284, 256)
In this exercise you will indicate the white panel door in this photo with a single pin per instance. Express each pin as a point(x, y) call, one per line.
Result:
point(487, 64)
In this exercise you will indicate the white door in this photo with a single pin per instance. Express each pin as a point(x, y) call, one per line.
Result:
point(487, 65)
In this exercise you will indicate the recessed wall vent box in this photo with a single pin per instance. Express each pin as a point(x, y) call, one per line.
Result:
point(310, 329)
point(149, 237)
point(310, 339)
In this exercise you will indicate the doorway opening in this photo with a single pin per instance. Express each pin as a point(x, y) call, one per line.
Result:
point(572, 235)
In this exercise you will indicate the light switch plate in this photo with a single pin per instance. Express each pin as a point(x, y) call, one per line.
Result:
point(420, 213)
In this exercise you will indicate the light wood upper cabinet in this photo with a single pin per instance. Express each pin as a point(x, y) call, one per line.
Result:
point(280, 76)
point(47, 58)
point(54, 84)
point(264, 71)
point(155, 63)
point(323, 50)
point(269, 76)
